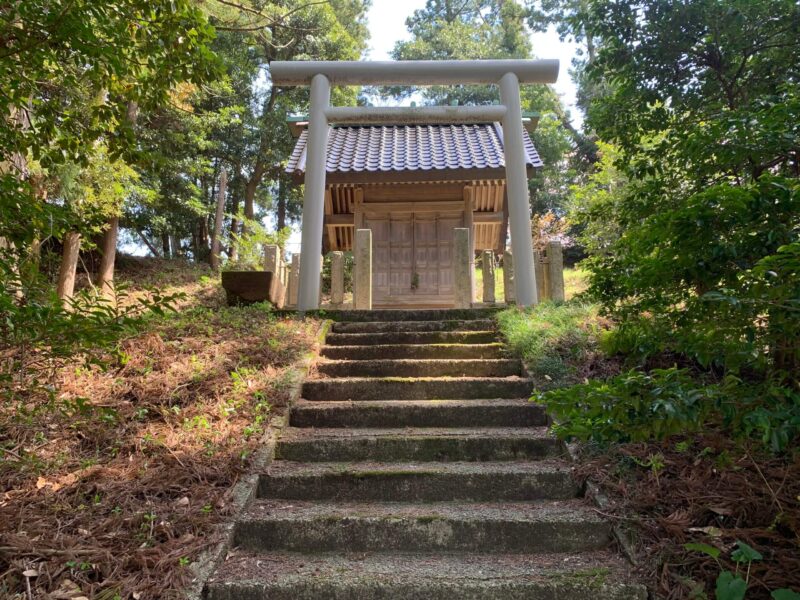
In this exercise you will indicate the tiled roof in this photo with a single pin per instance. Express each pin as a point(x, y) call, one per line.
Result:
point(412, 148)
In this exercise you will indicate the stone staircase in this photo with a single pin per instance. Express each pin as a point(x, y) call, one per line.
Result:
point(414, 467)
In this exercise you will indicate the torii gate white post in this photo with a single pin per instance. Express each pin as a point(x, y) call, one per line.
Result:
point(519, 209)
point(314, 200)
point(508, 74)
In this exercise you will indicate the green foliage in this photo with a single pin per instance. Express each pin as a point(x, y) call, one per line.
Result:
point(250, 246)
point(716, 279)
point(639, 406)
point(634, 406)
point(693, 217)
point(348, 271)
point(730, 585)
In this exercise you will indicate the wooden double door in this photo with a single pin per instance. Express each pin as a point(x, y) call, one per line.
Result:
point(412, 256)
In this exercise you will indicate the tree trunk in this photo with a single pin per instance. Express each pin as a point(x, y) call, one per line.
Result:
point(215, 238)
point(165, 245)
point(147, 243)
point(108, 250)
point(282, 199)
point(69, 263)
point(236, 188)
point(175, 245)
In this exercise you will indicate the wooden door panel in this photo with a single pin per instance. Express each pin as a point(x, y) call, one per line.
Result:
point(412, 250)
point(380, 255)
point(401, 233)
point(426, 254)
point(445, 236)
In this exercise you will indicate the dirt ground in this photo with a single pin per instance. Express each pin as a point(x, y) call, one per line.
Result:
point(704, 490)
point(112, 484)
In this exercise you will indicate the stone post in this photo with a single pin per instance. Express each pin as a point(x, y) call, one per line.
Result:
point(488, 276)
point(556, 271)
point(508, 277)
point(362, 270)
point(294, 279)
point(541, 283)
point(462, 282)
point(271, 260)
point(337, 279)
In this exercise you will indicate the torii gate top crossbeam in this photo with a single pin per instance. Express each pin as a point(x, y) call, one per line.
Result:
point(413, 72)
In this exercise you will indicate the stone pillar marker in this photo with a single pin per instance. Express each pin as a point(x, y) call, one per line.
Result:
point(462, 281)
point(541, 274)
point(294, 279)
point(508, 277)
point(362, 270)
point(271, 260)
point(337, 278)
point(556, 271)
point(488, 276)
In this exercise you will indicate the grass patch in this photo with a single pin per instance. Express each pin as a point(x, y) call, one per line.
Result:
point(574, 284)
point(558, 342)
point(114, 481)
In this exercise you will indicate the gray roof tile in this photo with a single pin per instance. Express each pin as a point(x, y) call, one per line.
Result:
point(412, 147)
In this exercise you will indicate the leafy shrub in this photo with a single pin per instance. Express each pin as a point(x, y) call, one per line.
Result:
point(715, 278)
point(634, 406)
point(250, 245)
point(637, 406)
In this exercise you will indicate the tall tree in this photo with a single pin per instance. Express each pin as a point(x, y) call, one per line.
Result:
point(705, 112)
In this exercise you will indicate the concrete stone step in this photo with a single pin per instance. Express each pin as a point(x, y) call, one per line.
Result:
point(418, 413)
point(416, 351)
point(421, 368)
point(417, 444)
point(416, 388)
point(392, 326)
point(446, 314)
point(563, 526)
point(419, 482)
point(412, 337)
point(396, 576)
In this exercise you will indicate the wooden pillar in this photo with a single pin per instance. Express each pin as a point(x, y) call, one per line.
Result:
point(469, 192)
point(362, 270)
point(488, 276)
point(337, 279)
point(508, 277)
point(462, 282)
point(555, 269)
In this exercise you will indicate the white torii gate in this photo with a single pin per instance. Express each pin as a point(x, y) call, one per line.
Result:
point(507, 74)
